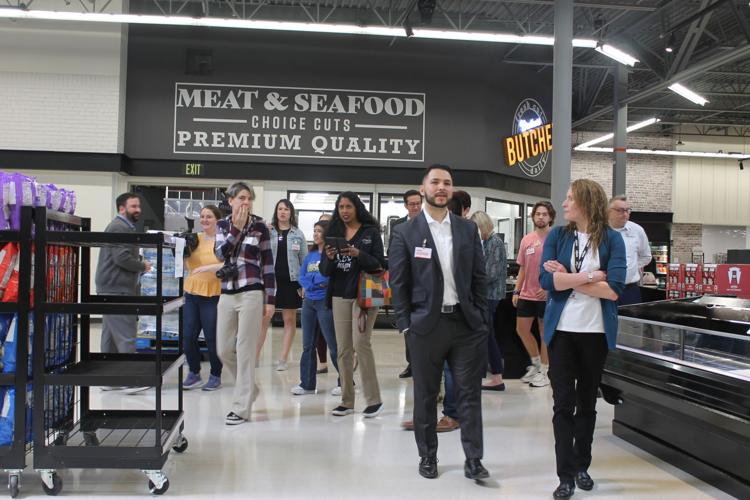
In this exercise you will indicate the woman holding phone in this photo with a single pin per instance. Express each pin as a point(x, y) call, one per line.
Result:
point(359, 247)
point(583, 272)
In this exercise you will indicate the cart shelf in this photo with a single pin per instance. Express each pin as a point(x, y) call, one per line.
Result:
point(143, 307)
point(108, 373)
point(102, 239)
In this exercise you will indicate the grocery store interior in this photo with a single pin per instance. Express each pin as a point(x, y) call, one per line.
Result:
point(304, 100)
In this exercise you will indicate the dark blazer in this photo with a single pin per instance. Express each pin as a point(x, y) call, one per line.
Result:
point(393, 228)
point(417, 284)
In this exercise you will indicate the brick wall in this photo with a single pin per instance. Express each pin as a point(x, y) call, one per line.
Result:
point(59, 112)
point(684, 238)
point(648, 179)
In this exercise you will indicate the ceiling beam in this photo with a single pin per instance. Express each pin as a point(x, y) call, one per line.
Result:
point(585, 5)
point(697, 69)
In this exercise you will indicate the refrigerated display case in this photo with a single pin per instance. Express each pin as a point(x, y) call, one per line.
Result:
point(680, 380)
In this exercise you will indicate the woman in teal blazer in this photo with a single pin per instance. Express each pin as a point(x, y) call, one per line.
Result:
point(583, 270)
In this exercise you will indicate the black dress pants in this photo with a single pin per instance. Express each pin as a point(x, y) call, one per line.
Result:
point(576, 362)
point(466, 353)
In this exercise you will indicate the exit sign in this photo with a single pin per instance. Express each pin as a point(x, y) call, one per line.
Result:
point(194, 169)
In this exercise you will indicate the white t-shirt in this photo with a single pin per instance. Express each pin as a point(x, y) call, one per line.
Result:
point(583, 313)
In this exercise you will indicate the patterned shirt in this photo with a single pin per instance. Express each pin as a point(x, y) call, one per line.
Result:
point(254, 258)
point(496, 266)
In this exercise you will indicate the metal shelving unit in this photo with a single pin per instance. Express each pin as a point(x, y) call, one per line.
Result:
point(94, 438)
point(13, 456)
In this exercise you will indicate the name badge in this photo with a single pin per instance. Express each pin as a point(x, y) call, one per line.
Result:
point(295, 247)
point(530, 251)
point(252, 240)
point(422, 253)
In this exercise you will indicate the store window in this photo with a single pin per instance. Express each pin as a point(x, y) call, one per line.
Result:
point(529, 218)
point(390, 208)
point(509, 223)
point(310, 205)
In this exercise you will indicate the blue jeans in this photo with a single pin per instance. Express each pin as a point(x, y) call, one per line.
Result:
point(495, 355)
point(449, 400)
point(315, 311)
point(199, 313)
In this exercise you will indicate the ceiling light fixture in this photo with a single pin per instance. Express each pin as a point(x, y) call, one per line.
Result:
point(606, 137)
point(670, 44)
point(688, 94)
point(664, 152)
point(616, 54)
point(215, 22)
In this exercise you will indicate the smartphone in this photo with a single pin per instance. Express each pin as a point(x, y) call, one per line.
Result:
point(336, 242)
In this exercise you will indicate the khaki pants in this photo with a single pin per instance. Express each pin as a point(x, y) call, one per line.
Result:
point(349, 340)
point(237, 331)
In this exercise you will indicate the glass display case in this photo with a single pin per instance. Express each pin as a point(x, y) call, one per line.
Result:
point(680, 382)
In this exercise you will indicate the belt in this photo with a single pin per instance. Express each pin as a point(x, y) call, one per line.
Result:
point(450, 309)
point(630, 285)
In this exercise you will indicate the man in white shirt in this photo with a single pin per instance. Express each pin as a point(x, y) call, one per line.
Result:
point(636, 246)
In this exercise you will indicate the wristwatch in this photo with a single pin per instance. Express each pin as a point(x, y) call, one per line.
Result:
point(590, 276)
point(516, 292)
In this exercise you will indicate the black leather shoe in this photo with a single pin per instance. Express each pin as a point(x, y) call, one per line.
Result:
point(565, 490)
point(406, 373)
point(584, 481)
point(428, 467)
point(473, 469)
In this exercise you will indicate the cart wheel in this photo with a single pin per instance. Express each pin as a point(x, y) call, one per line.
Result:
point(57, 485)
point(158, 491)
point(13, 485)
point(181, 444)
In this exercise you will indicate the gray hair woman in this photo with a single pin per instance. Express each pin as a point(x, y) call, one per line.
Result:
point(496, 266)
point(248, 292)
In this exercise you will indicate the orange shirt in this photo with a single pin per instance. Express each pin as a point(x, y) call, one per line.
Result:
point(205, 284)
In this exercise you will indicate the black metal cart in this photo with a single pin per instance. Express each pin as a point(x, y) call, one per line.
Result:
point(79, 436)
point(13, 455)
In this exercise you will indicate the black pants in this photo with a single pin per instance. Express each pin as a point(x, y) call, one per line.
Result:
point(466, 352)
point(576, 362)
point(406, 343)
point(630, 295)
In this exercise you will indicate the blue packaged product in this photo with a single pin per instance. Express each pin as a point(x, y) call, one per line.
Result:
point(6, 417)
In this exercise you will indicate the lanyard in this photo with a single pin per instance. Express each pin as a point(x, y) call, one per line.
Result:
point(579, 259)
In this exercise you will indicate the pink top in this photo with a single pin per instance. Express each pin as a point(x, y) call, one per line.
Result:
point(530, 257)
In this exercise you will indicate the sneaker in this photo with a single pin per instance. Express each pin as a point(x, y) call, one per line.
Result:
point(531, 372)
point(281, 366)
point(373, 410)
point(341, 411)
point(212, 384)
point(136, 389)
point(192, 381)
point(540, 380)
point(298, 390)
point(234, 419)
point(336, 391)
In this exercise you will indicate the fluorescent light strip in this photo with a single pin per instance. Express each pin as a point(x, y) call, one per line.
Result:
point(664, 152)
point(606, 137)
point(215, 22)
point(616, 54)
point(688, 94)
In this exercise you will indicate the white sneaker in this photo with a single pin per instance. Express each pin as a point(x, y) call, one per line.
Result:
point(336, 391)
point(540, 380)
point(298, 390)
point(281, 366)
point(531, 372)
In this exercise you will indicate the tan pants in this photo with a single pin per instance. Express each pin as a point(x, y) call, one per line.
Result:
point(237, 331)
point(348, 341)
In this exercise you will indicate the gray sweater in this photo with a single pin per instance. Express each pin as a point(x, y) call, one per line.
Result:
point(119, 266)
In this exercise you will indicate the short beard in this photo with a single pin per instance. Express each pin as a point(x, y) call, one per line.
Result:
point(538, 226)
point(431, 201)
point(133, 217)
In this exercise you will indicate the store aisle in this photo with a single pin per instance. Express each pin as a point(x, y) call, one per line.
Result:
point(294, 448)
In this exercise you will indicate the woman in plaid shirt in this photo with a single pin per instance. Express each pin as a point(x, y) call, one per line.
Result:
point(248, 289)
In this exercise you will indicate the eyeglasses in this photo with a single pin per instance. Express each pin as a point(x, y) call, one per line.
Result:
point(622, 210)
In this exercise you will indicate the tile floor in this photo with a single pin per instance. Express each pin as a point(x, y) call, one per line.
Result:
point(294, 448)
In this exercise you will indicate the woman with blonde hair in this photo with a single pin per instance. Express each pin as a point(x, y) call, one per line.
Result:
point(583, 272)
point(496, 267)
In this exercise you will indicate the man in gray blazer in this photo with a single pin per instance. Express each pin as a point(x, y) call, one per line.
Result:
point(439, 297)
point(117, 273)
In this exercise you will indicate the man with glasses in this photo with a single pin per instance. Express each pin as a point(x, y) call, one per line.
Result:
point(413, 204)
point(636, 246)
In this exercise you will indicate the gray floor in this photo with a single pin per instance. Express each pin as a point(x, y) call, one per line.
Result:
point(295, 449)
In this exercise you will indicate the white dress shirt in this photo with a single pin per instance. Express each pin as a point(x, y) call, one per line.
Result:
point(443, 237)
point(637, 249)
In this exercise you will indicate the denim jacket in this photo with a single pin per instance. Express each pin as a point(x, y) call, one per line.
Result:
point(296, 250)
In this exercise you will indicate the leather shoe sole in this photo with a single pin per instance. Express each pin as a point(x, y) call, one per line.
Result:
point(428, 470)
point(564, 491)
point(584, 481)
point(476, 472)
